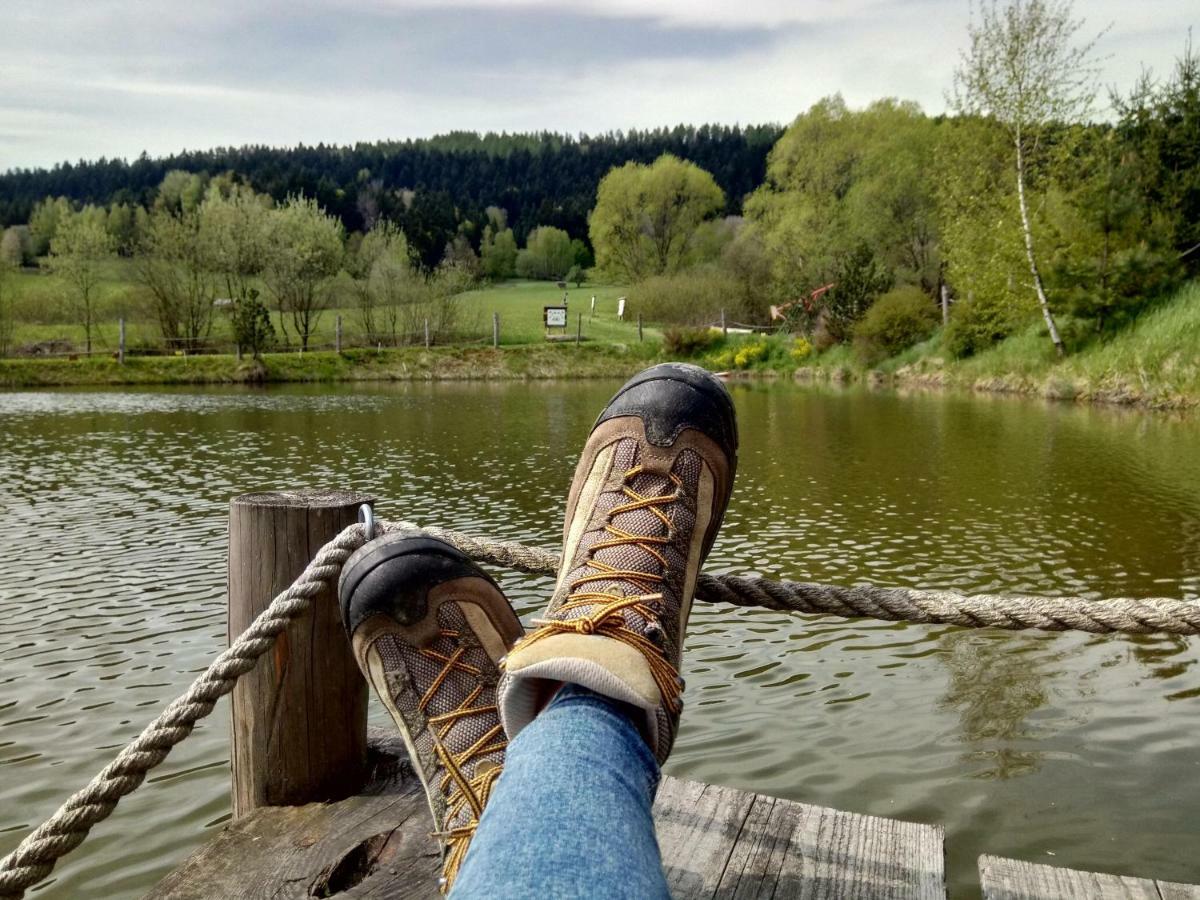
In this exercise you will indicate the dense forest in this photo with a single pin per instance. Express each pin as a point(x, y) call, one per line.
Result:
point(442, 182)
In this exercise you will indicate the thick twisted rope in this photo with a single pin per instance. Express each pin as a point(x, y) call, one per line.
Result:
point(34, 858)
point(1122, 615)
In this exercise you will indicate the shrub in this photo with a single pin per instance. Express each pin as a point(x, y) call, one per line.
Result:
point(977, 323)
point(749, 354)
point(895, 322)
point(682, 340)
point(801, 350)
point(694, 297)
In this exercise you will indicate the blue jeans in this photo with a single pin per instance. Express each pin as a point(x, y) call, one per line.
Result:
point(570, 816)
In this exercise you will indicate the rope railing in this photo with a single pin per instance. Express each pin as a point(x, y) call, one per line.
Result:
point(34, 858)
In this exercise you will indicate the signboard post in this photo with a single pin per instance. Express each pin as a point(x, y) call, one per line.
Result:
point(554, 317)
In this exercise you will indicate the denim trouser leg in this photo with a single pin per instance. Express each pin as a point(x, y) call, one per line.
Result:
point(570, 816)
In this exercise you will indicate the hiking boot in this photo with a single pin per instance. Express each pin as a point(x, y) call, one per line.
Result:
point(427, 627)
point(648, 497)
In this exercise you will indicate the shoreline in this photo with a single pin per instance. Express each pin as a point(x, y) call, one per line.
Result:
point(536, 362)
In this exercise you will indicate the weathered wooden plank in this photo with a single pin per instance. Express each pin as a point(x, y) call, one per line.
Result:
point(1011, 879)
point(846, 855)
point(1172, 890)
point(697, 825)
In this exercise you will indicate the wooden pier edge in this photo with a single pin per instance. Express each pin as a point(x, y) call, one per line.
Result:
point(300, 715)
point(716, 842)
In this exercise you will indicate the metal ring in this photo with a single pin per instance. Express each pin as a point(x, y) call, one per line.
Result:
point(366, 517)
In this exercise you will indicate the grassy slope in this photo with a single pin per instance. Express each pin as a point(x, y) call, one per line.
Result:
point(1155, 362)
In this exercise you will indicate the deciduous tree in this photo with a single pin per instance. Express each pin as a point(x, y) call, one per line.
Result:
point(1025, 68)
point(646, 216)
point(79, 251)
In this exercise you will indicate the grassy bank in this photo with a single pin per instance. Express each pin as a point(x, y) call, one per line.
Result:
point(1155, 362)
point(404, 364)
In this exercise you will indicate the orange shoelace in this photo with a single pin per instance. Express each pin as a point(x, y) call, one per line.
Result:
point(607, 618)
point(461, 791)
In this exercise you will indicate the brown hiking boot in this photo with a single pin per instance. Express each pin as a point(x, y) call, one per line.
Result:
point(648, 497)
point(428, 628)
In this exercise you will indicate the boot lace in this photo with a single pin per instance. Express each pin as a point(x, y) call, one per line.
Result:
point(605, 610)
point(462, 792)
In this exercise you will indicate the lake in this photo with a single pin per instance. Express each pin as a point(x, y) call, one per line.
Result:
point(1067, 749)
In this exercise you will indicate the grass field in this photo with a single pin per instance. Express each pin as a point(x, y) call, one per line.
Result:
point(41, 303)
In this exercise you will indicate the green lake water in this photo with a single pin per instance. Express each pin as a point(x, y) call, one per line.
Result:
point(1066, 749)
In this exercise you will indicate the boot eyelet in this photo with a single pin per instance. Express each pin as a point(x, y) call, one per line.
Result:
point(655, 634)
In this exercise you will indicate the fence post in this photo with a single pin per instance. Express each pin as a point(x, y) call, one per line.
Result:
point(121, 342)
point(639, 328)
point(300, 715)
point(337, 334)
point(496, 330)
point(724, 329)
point(426, 332)
point(945, 304)
point(579, 330)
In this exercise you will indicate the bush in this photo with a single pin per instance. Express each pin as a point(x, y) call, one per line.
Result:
point(895, 322)
point(750, 354)
point(694, 297)
point(976, 324)
point(685, 341)
point(801, 350)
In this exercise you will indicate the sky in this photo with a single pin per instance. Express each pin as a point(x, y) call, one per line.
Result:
point(83, 79)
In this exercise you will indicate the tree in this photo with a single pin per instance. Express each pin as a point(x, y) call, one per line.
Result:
point(384, 282)
point(858, 280)
point(44, 221)
point(547, 254)
point(1024, 69)
point(251, 322)
point(839, 177)
point(174, 263)
point(304, 251)
point(79, 250)
point(234, 232)
point(13, 246)
point(646, 216)
point(499, 253)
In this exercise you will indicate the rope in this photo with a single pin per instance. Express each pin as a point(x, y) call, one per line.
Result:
point(1121, 615)
point(34, 858)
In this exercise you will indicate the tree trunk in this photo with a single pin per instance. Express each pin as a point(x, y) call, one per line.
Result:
point(1043, 302)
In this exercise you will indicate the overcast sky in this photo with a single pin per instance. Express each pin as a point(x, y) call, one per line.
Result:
point(90, 78)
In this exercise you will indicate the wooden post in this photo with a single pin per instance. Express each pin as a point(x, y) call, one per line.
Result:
point(496, 329)
point(300, 715)
point(945, 304)
point(724, 329)
point(639, 327)
point(337, 334)
point(121, 342)
point(426, 332)
point(579, 330)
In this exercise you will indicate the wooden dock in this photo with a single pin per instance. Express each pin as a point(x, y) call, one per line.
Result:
point(717, 842)
point(299, 734)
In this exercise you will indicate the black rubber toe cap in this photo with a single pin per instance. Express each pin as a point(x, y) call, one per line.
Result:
point(673, 396)
point(394, 574)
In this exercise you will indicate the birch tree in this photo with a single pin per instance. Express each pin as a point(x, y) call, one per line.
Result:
point(1025, 67)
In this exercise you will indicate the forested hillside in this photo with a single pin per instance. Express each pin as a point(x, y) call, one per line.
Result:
point(538, 179)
